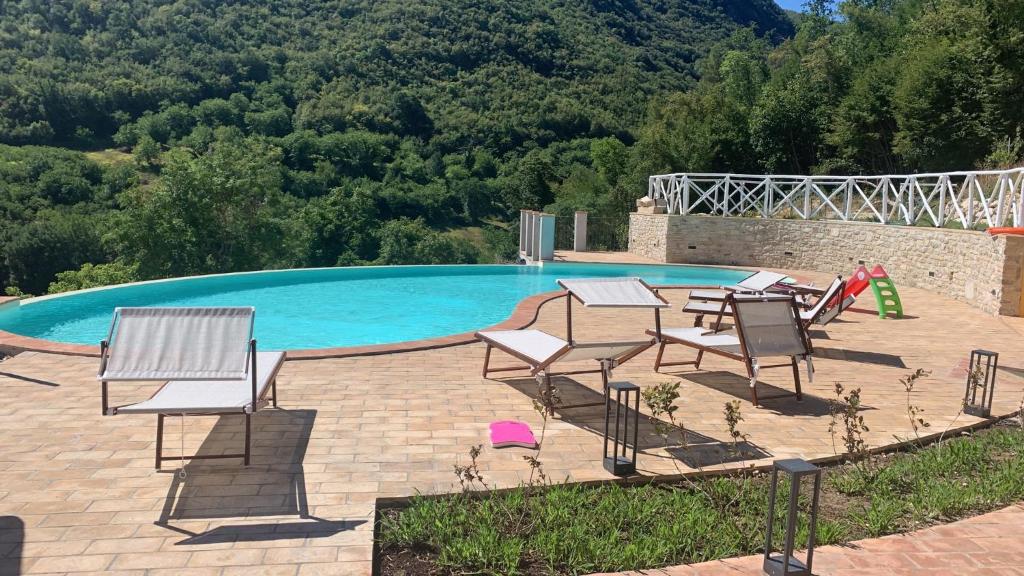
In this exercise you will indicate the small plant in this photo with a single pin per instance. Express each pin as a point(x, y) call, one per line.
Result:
point(880, 517)
point(469, 475)
point(845, 413)
point(847, 423)
point(537, 475)
point(660, 400)
point(975, 383)
point(548, 397)
point(914, 412)
point(732, 419)
point(15, 292)
point(1020, 413)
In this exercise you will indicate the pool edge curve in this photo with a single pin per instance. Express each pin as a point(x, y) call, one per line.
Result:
point(524, 314)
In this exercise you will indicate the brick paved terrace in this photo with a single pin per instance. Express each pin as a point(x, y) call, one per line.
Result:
point(78, 492)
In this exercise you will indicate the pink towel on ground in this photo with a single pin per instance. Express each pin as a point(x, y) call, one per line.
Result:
point(512, 433)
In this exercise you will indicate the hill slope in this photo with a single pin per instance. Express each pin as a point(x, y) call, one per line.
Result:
point(496, 73)
point(283, 133)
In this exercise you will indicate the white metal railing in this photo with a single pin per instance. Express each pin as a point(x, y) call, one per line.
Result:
point(985, 198)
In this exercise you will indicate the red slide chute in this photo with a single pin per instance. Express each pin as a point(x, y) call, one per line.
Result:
point(859, 280)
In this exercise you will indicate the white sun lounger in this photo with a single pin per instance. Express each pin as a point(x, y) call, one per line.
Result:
point(756, 282)
point(540, 350)
point(206, 357)
point(767, 325)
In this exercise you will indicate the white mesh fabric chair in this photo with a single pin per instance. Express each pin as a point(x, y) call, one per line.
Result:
point(206, 356)
point(767, 325)
point(540, 350)
point(759, 281)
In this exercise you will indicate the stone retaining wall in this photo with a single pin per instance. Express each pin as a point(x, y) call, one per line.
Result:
point(970, 266)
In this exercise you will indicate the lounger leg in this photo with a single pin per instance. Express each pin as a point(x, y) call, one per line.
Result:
point(657, 360)
point(248, 438)
point(273, 390)
point(159, 438)
point(696, 363)
point(698, 320)
point(796, 379)
point(752, 374)
point(487, 360)
point(606, 372)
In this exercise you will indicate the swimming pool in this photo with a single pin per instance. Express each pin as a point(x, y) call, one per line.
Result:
point(333, 307)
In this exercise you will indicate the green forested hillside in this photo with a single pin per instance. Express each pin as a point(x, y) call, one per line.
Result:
point(457, 73)
point(314, 133)
point(146, 139)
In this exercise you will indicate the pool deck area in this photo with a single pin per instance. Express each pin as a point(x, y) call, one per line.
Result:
point(78, 492)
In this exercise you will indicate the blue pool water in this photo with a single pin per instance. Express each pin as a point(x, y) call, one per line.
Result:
point(322, 308)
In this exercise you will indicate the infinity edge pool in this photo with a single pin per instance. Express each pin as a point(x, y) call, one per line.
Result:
point(523, 313)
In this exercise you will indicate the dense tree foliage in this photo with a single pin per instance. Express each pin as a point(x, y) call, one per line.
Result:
point(878, 86)
point(314, 133)
point(456, 73)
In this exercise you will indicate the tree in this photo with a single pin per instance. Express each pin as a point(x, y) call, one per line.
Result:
point(437, 248)
point(93, 275)
point(54, 242)
point(221, 211)
point(64, 185)
point(146, 151)
point(786, 126)
point(399, 239)
point(527, 186)
point(339, 228)
point(609, 158)
point(863, 127)
point(412, 242)
point(945, 121)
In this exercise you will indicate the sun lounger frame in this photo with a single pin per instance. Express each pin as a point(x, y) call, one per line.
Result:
point(259, 400)
point(541, 371)
point(752, 369)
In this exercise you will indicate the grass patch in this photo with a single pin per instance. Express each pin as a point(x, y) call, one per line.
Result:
point(109, 157)
point(573, 529)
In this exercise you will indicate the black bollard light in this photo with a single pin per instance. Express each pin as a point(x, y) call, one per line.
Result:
point(786, 564)
point(981, 376)
point(619, 462)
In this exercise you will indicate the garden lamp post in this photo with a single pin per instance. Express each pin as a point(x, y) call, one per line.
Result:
point(619, 462)
point(786, 564)
point(981, 375)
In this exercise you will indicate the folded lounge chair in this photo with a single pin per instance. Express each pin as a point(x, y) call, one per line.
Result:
point(757, 282)
point(766, 325)
point(826, 308)
point(829, 305)
point(207, 358)
point(540, 350)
